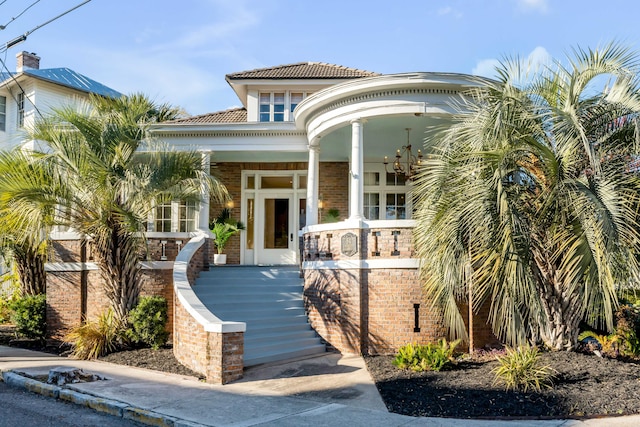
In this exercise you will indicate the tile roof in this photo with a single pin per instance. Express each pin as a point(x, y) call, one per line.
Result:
point(232, 115)
point(69, 78)
point(303, 70)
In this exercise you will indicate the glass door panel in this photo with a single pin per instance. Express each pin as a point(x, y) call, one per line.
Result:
point(276, 223)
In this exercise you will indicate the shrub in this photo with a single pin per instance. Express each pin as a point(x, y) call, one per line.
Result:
point(95, 339)
point(429, 357)
point(628, 329)
point(148, 321)
point(625, 340)
point(9, 292)
point(29, 315)
point(609, 344)
point(521, 369)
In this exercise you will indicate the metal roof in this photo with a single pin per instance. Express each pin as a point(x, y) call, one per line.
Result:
point(68, 78)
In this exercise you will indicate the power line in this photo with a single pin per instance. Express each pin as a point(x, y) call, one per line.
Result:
point(2, 27)
point(13, 77)
point(24, 36)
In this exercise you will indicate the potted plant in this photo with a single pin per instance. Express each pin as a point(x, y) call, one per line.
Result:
point(223, 227)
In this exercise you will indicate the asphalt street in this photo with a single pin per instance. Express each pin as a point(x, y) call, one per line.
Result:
point(19, 408)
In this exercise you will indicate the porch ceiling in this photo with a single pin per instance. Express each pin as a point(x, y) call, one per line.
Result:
point(382, 137)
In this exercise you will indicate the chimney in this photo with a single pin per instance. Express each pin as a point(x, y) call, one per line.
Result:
point(27, 61)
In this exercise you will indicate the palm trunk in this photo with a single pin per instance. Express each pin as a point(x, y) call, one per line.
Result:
point(30, 265)
point(562, 312)
point(117, 253)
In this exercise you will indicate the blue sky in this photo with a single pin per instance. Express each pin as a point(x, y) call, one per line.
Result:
point(179, 51)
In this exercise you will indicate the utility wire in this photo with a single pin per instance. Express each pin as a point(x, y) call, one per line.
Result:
point(2, 27)
point(23, 37)
point(13, 77)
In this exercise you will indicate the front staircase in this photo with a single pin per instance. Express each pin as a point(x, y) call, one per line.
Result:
point(269, 300)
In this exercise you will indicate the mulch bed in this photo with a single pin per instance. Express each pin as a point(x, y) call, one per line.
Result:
point(585, 386)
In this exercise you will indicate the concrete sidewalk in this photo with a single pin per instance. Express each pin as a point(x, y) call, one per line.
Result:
point(328, 390)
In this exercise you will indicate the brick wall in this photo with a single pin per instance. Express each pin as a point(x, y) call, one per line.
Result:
point(64, 310)
point(65, 303)
point(388, 298)
point(333, 185)
point(483, 335)
point(373, 310)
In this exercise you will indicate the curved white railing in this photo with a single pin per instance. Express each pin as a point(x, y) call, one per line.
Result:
point(190, 300)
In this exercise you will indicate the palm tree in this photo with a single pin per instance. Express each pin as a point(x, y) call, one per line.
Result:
point(26, 215)
point(529, 196)
point(113, 171)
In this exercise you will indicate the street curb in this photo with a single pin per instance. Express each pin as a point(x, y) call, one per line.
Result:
point(107, 406)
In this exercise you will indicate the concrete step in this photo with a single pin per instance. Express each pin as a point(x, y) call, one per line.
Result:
point(257, 329)
point(266, 315)
point(264, 305)
point(284, 345)
point(239, 288)
point(262, 337)
point(257, 359)
point(241, 299)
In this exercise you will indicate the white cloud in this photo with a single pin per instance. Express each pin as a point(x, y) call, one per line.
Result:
point(538, 59)
point(444, 11)
point(233, 19)
point(486, 68)
point(533, 5)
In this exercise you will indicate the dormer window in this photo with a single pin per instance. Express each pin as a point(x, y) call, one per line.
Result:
point(279, 106)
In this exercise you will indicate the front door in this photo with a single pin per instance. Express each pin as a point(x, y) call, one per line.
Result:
point(276, 231)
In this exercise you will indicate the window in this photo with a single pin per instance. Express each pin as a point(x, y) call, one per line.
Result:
point(174, 216)
point(21, 109)
point(272, 107)
point(279, 106)
point(396, 206)
point(265, 107)
point(385, 195)
point(186, 216)
point(163, 215)
point(372, 205)
point(3, 113)
point(296, 98)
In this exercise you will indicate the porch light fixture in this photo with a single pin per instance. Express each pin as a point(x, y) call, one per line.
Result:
point(406, 163)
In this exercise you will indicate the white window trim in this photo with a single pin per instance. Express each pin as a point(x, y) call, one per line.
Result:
point(175, 219)
point(288, 114)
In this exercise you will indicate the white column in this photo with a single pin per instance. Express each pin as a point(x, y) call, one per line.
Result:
point(356, 196)
point(203, 215)
point(313, 175)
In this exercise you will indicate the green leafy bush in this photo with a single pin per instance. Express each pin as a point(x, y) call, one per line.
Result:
point(625, 340)
point(95, 339)
point(609, 344)
point(628, 329)
point(29, 316)
point(429, 357)
point(148, 321)
point(521, 369)
point(9, 292)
